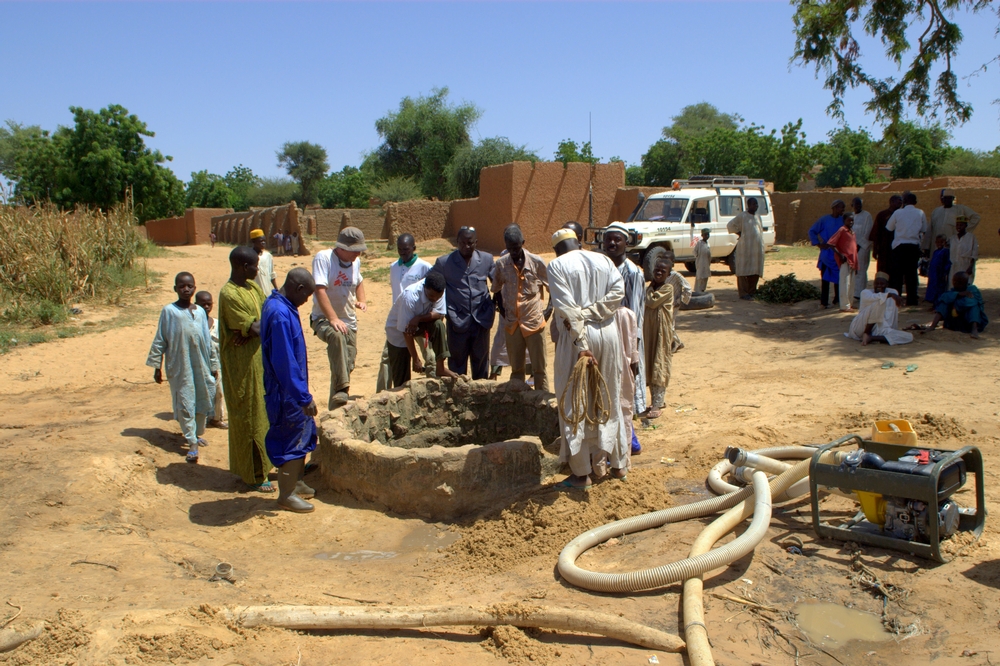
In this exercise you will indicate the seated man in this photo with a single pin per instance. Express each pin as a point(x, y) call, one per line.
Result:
point(961, 308)
point(420, 309)
point(878, 315)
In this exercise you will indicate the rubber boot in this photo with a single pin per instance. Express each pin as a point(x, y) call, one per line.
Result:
point(288, 480)
point(302, 490)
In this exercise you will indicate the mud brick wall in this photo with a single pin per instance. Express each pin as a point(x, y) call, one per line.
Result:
point(192, 228)
point(424, 219)
point(328, 221)
point(235, 228)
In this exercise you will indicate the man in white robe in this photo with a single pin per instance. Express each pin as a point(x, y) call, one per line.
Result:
point(586, 290)
point(943, 219)
point(863, 224)
point(749, 251)
point(964, 250)
point(702, 262)
point(878, 316)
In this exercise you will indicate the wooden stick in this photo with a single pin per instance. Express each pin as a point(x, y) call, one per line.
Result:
point(99, 564)
point(12, 617)
point(360, 601)
point(745, 602)
point(10, 639)
point(409, 617)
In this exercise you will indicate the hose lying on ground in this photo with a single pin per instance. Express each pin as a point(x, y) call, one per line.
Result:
point(409, 617)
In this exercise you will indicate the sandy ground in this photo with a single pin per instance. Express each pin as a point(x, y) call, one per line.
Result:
point(92, 469)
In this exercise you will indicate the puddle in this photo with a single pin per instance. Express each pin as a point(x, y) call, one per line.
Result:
point(357, 556)
point(427, 538)
point(831, 625)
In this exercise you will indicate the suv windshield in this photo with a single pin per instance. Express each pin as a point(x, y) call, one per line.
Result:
point(657, 210)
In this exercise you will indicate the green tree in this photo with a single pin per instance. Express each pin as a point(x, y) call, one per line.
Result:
point(847, 159)
point(274, 192)
point(463, 171)
point(635, 175)
point(825, 39)
point(347, 188)
point(914, 151)
point(420, 139)
point(569, 151)
point(241, 181)
point(207, 190)
point(695, 120)
point(965, 162)
point(397, 189)
point(306, 163)
point(97, 162)
point(661, 164)
point(12, 139)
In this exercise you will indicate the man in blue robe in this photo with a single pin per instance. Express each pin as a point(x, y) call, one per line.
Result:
point(961, 308)
point(819, 234)
point(290, 405)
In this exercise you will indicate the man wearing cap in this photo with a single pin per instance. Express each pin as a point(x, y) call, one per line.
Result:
point(339, 293)
point(586, 290)
point(878, 315)
point(470, 307)
point(819, 234)
point(943, 219)
point(266, 277)
point(615, 243)
point(748, 255)
point(909, 225)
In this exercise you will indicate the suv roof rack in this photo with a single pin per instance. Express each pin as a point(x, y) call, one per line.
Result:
point(715, 181)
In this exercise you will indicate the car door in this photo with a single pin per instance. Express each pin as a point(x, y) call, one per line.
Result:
point(723, 242)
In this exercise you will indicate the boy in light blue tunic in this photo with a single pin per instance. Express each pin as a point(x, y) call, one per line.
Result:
point(182, 336)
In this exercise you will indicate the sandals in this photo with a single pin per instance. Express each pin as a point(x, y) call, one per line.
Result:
point(566, 484)
point(191, 457)
point(653, 413)
point(265, 487)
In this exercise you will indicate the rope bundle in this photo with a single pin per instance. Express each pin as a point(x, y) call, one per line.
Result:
point(589, 398)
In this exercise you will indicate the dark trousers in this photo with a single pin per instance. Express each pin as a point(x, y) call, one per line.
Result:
point(905, 259)
point(471, 345)
point(400, 363)
point(824, 292)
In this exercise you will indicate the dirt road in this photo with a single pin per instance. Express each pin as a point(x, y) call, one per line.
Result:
point(111, 537)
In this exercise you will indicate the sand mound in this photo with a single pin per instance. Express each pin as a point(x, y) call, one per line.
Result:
point(60, 644)
point(518, 646)
point(930, 428)
point(543, 524)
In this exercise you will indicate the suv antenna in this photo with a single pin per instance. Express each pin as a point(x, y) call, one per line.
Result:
point(590, 180)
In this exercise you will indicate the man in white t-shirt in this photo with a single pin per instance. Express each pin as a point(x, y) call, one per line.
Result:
point(409, 270)
point(909, 225)
point(419, 310)
point(339, 293)
point(266, 277)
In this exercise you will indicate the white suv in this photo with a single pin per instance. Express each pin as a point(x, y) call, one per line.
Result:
point(673, 220)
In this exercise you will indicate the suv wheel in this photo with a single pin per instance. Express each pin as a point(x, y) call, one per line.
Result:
point(649, 261)
point(731, 262)
point(691, 268)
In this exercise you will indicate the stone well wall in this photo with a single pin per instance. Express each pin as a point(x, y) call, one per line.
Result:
point(441, 449)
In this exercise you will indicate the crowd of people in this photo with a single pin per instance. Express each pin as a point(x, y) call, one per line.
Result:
point(600, 311)
point(900, 239)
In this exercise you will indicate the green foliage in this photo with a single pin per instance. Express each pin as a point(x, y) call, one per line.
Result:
point(462, 173)
point(914, 151)
point(635, 175)
point(824, 31)
point(347, 188)
point(97, 162)
point(12, 139)
point(569, 151)
point(847, 159)
point(420, 139)
point(306, 163)
point(695, 120)
point(662, 163)
point(397, 189)
point(965, 162)
point(786, 289)
point(241, 181)
point(207, 190)
point(274, 192)
point(781, 159)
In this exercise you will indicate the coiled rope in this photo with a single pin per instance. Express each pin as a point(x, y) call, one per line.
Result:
point(589, 398)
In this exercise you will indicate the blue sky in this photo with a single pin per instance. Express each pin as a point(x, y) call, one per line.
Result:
point(223, 83)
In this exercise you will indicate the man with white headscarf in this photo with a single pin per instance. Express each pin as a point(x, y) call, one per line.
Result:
point(878, 315)
point(586, 291)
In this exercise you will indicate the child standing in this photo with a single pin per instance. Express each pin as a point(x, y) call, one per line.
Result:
point(658, 335)
point(182, 337)
point(682, 294)
point(702, 262)
point(964, 250)
point(845, 247)
point(938, 270)
point(203, 299)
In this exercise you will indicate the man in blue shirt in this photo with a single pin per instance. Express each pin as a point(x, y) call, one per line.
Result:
point(819, 234)
point(290, 405)
point(470, 307)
